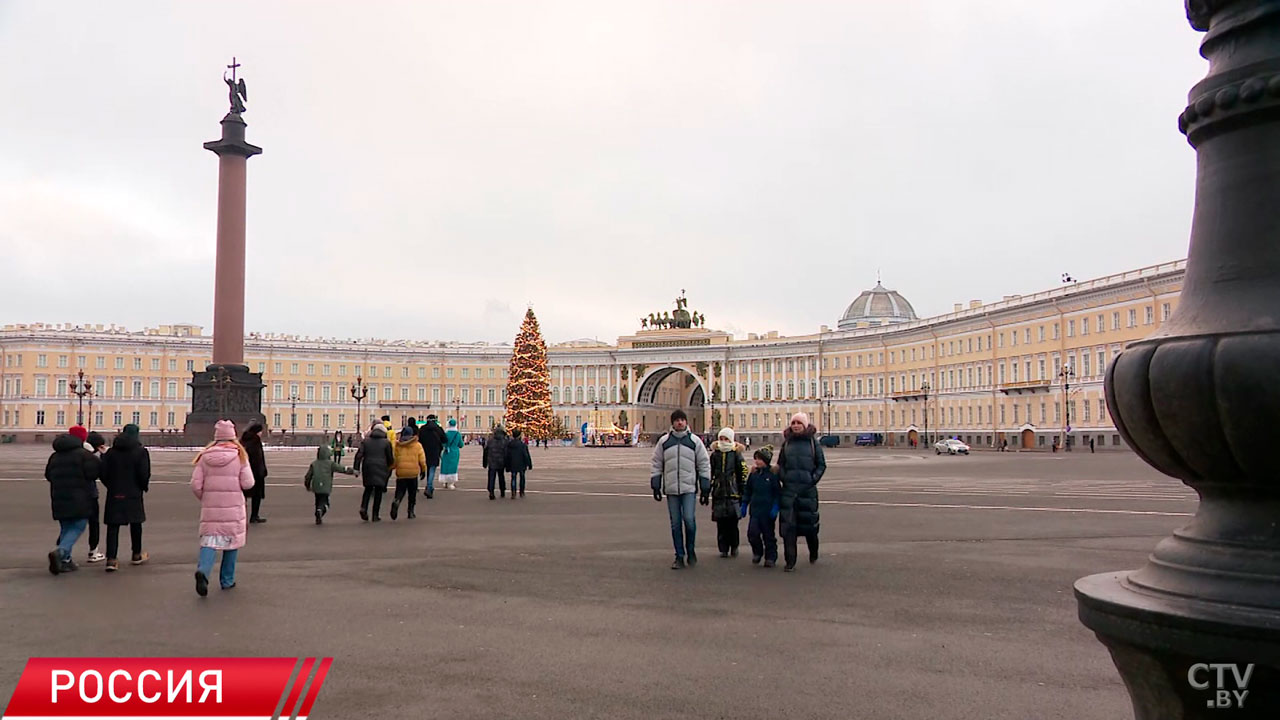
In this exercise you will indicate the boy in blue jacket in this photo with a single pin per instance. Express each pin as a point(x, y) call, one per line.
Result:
point(760, 497)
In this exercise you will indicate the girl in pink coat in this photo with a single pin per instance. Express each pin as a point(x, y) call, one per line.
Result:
point(221, 476)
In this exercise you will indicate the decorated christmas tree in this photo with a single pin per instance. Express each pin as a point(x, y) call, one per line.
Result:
point(529, 383)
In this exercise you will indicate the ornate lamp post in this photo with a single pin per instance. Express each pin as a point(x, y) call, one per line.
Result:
point(359, 391)
point(293, 413)
point(926, 387)
point(81, 389)
point(1066, 374)
point(1195, 398)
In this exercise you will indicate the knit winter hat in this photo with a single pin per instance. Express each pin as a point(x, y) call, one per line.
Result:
point(803, 418)
point(453, 423)
point(224, 430)
point(79, 432)
point(726, 434)
point(764, 454)
point(95, 439)
point(130, 430)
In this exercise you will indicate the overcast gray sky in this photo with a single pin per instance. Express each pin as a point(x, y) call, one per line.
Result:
point(431, 167)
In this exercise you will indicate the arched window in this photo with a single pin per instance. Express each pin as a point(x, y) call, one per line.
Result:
point(555, 395)
point(791, 389)
point(733, 392)
point(768, 391)
point(579, 396)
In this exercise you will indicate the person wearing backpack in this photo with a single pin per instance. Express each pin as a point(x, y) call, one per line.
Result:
point(801, 464)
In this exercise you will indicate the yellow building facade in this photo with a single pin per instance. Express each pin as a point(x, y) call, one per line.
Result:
point(1027, 370)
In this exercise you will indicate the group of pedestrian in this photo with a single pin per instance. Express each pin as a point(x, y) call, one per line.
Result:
point(418, 453)
point(786, 496)
point(79, 461)
point(506, 454)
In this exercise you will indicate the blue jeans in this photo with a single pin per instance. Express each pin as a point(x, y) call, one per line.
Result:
point(227, 572)
point(69, 532)
point(431, 478)
point(682, 509)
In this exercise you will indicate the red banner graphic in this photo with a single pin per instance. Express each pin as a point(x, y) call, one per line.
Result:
point(178, 688)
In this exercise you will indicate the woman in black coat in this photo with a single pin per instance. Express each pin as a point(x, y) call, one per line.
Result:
point(252, 442)
point(126, 474)
point(374, 461)
point(72, 472)
point(801, 464)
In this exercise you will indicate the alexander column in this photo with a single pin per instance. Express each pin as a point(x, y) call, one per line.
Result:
point(226, 388)
point(1195, 633)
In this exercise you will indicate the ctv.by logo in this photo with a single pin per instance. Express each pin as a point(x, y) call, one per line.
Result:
point(1225, 696)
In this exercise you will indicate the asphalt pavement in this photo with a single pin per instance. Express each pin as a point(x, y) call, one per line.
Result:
point(943, 591)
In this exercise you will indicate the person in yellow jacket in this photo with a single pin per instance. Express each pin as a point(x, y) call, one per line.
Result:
point(411, 466)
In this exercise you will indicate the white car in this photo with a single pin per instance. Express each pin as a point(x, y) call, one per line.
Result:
point(950, 446)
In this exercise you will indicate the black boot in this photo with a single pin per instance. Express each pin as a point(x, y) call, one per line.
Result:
point(395, 509)
point(364, 514)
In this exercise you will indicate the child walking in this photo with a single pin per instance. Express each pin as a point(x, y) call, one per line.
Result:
point(760, 496)
point(320, 479)
point(221, 477)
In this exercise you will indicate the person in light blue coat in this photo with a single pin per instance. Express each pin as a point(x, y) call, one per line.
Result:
point(450, 454)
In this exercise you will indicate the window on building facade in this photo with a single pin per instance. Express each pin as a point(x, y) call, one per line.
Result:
point(1040, 334)
point(1071, 328)
point(1102, 410)
point(155, 389)
point(1150, 315)
point(170, 419)
point(1044, 418)
point(137, 389)
point(136, 417)
point(404, 393)
point(155, 363)
point(39, 417)
point(435, 395)
point(1084, 326)
point(1133, 317)
point(1165, 311)
point(311, 420)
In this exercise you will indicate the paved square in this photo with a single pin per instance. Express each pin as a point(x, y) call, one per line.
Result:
point(943, 591)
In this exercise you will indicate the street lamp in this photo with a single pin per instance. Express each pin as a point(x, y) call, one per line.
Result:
point(1066, 374)
point(293, 413)
point(359, 391)
point(926, 387)
point(826, 412)
point(81, 389)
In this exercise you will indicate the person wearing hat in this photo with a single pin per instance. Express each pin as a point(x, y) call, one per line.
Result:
point(375, 460)
point(251, 441)
point(96, 444)
point(801, 464)
point(494, 458)
point(411, 466)
point(680, 468)
point(126, 474)
point(72, 472)
point(432, 438)
point(451, 453)
point(760, 498)
point(728, 473)
point(222, 477)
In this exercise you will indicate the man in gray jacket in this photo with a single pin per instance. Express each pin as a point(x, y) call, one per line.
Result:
point(681, 469)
